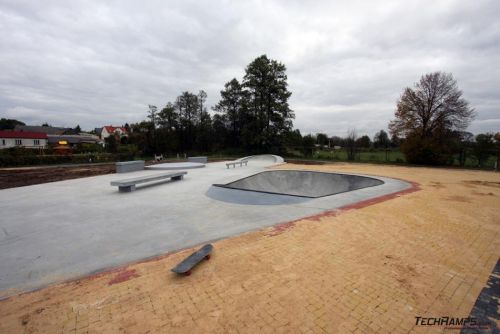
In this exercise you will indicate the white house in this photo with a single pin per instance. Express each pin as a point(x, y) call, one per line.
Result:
point(115, 130)
point(26, 139)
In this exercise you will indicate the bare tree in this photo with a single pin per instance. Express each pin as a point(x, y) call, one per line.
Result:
point(434, 105)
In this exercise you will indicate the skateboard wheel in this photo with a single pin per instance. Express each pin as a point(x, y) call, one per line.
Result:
point(188, 273)
point(207, 257)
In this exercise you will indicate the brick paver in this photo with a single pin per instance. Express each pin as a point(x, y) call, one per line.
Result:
point(364, 270)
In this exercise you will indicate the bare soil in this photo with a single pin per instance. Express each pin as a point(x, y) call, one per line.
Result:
point(27, 176)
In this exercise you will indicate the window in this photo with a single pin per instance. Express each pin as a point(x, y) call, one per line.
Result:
point(3, 142)
point(36, 142)
point(19, 142)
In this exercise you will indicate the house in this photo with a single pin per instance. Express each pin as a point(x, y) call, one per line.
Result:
point(108, 130)
point(72, 140)
point(27, 139)
point(50, 130)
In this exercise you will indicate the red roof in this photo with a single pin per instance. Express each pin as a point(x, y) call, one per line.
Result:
point(23, 134)
point(112, 129)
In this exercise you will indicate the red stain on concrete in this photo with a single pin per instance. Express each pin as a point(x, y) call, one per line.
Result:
point(280, 228)
point(414, 187)
point(123, 276)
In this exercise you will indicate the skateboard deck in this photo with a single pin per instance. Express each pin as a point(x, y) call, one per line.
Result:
point(192, 260)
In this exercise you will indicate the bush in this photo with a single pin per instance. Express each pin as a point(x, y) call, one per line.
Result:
point(13, 160)
point(426, 151)
point(88, 148)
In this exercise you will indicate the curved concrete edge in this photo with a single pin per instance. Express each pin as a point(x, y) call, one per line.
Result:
point(325, 203)
point(176, 166)
point(246, 197)
point(277, 159)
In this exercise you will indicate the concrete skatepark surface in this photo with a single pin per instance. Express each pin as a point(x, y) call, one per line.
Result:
point(62, 230)
point(302, 183)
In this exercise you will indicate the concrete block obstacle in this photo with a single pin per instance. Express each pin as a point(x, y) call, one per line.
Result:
point(128, 185)
point(234, 163)
point(129, 166)
point(202, 160)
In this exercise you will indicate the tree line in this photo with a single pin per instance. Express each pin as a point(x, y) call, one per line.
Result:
point(251, 116)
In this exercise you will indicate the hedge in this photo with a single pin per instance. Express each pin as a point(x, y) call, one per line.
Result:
point(14, 160)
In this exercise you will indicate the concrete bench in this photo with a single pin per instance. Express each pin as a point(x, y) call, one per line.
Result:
point(128, 185)
point(202, 160)
point(129, 166)
point(234, 163)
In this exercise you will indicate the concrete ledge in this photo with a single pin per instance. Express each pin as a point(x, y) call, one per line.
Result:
point(176, 166)
point(202, 160)
point(129, 166)
point(234, 163)
point(128, 185)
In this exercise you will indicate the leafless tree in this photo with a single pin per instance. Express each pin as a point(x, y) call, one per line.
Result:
point(435, 105)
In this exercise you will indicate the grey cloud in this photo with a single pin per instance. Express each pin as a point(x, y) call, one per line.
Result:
point(93, 62)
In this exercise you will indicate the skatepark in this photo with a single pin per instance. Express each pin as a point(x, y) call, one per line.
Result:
point(413, 241)
point(77, 227)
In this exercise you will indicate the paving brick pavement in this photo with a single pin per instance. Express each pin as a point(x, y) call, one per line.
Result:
point(366, 270)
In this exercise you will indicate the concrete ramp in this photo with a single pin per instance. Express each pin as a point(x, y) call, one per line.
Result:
point(302, 183)
point(264, 158)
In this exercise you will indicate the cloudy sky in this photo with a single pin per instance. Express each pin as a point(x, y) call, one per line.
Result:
point(102, 62)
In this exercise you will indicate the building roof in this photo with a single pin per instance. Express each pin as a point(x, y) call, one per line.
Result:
point(112, 129)
point(73, 139)
point(23, 134)
point(50, 130)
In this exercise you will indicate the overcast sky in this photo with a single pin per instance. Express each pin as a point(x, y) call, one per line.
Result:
point(102, 62)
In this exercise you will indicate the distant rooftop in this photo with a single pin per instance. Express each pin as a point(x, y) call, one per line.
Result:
point(50, 130)
point(23, 134)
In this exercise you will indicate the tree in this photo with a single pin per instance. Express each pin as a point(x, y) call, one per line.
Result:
point(465, 142)
point(167, 132)
point(395, 140)
point(9, 124)
point(204, 137)
point(351, 144)
point(111, 143)
point(336, 141)
point(497, 149)
point(381, 140)
point(168, 118)
point(153, 121)
point(322, 139)
point(231, 106)
point(427, 114)
point(152, 114)
point(202, 97)
point(187, 106)
point(266, 83)
point(483, 147)
point(293, 139)
point(308, 142)
point(364, 141)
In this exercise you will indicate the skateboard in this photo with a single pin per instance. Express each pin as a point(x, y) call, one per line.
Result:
point(192, 260)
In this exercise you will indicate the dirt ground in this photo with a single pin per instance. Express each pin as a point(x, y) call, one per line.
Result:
point(368, 268)
point(27, 176)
